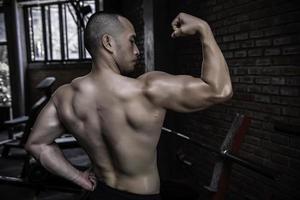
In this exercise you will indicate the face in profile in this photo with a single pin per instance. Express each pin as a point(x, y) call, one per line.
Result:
point(127, 53)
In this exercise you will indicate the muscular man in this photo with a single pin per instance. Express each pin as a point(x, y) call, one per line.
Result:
point(118, 120)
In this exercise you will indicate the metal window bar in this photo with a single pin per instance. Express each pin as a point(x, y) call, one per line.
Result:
point(26, 22)
point(78, 24)
point(66, 32)
point(46, 25)
point(80, 47)
point(83, 50)
point(61, 31)
point(50, 33)
point(44, 30)
point(80, 33)
point(39, 3)
point(47, 38)
point(32, 36)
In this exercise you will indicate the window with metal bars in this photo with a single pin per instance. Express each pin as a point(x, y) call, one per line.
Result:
point(5, 93)
point(55, 30)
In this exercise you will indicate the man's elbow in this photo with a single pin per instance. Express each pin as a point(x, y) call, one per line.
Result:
point(29, 147)
point(33, 149)
point(225, 94)
point(228, 93)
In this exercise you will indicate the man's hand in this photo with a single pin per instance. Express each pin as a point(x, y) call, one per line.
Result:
point(185, 24)
point(87, 180)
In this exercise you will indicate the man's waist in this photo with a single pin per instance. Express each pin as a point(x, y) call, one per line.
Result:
point(103, 190)
point(138, 184)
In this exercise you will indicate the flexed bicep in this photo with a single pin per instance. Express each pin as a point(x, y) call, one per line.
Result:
point(180, 93)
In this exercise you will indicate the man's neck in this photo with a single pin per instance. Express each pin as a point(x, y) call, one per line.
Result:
point(105, 66)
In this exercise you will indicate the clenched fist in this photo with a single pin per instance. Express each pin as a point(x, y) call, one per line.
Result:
point(185, 24)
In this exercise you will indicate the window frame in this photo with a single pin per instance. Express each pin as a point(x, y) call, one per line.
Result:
point(5, 43)
point(47, 40)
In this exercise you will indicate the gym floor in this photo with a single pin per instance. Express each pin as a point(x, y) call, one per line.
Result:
point(12, 166)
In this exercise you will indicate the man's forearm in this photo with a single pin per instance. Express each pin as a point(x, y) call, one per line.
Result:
point(52, 158)
point(214, 67)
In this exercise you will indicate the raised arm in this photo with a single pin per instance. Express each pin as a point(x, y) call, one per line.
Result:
point(42, 146)
point(186, 93)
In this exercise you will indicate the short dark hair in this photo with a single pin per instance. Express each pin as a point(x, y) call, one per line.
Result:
point(100, 23)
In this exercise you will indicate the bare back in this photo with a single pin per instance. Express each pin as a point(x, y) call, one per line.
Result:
point(117, 126)
point(118, 120)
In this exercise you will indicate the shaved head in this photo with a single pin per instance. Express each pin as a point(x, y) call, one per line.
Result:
point(99, 24)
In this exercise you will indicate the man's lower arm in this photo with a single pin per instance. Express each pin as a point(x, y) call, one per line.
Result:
point(52, 158)
point(214, 67)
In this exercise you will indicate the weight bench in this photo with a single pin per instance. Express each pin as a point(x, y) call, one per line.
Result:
point(18, 140)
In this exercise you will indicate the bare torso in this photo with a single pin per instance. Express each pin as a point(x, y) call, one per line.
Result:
point(118, 120)
point(117, 126)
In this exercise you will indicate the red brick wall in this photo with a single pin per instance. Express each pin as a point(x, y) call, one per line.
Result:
point(261, 43)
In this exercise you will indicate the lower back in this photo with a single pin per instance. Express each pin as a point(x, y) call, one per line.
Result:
point(143, 183)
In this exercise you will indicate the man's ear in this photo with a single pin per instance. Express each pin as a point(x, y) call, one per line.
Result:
point(107, 42)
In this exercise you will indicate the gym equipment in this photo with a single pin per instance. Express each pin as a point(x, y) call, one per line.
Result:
point(52, 183)
point(227, 155)
point(33, 175)
point(237, 130)
point(19, 140)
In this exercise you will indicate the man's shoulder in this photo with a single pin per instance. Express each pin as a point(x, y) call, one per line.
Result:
point(62, 89)
point(153, 82)
point(61, 93)
point(153, 75)
point(68, 88)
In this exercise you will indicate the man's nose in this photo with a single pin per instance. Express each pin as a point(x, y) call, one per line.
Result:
point(136, 51)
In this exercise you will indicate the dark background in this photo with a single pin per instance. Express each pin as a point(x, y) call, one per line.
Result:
point(260, 41)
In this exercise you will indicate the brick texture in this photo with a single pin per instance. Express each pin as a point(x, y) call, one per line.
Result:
point(261, 43)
